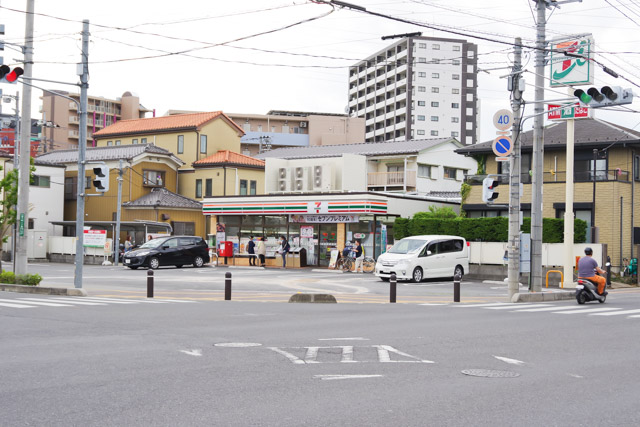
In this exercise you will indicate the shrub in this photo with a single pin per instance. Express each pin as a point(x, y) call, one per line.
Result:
point(7, 277)
point(28, 279)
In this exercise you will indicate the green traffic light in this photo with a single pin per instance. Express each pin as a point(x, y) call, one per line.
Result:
point(583, 96)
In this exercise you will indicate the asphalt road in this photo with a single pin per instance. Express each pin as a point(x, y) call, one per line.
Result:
point(249, 363)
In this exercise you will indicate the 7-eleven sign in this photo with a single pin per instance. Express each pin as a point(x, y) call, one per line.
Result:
point(317, 207)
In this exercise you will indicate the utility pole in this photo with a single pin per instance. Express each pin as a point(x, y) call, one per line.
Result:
point(568, 205)
point(116, 238)
point(25, 146)
point(514, 182)
point(538, 151)
point(82, 148)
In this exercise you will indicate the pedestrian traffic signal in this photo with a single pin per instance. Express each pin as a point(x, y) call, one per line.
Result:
point(7, 75)
point(606, 96)
point(488, 190)
point(102, 178)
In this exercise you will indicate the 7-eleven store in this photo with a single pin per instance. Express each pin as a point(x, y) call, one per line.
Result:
point(316, 222)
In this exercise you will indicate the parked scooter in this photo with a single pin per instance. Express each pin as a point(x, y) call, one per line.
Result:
point(587, 291)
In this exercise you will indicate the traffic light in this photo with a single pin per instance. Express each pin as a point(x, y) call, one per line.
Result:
point(102, 178)
point(7, 75)
point(606, 96)
point(488, 190)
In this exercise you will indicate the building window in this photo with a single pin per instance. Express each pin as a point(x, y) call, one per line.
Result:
point(41, 181)
point(449, 173)
point(180, 144)
point(198, 188)
point(109, 143)
point(434, 133)
point(455, 105)
point(456, 62)
point(134, 141)
point(456, 48)
point(435, 104)
point(435, 61)
point(434, 118)
point(422, 89)
point(70, 188)
point(421, 103)
point(259, 128)
point(273, 128)
point(456, 76)
point(422, 45)
point(424, 171)
point(118, 142)
point(153, 178)
point(422, 60)
point(30, 224)
point(421, 118)
point(435, 47)
point(455, 120)
point(143, 140)
point(470, 54)
point(422, 74)
point(243, 187)
point(184, 228)
point(420, 132)
point(203, 144)
point(208, 187)
point(435, 75)
point(435, 90)
point(253, 188)
point(454, 134)
point(469, 82)
point(455, 91)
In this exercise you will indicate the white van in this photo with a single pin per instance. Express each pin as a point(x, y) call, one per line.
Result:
point(419, 257)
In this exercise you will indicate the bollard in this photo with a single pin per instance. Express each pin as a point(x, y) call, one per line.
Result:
point(456, 287)
point(393, 281)
point(149, 283)
point(608, 272)
point(227, 286)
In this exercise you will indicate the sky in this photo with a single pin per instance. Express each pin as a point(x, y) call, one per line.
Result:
point(252, 56)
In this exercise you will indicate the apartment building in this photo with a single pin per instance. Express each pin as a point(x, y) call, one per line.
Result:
point(63, 115)
point(418, 87)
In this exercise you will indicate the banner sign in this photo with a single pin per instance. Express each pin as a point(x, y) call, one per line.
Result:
point(324, 219)
point(95, 238)
point(306, 231)
point(574, 68)
point(572, 111)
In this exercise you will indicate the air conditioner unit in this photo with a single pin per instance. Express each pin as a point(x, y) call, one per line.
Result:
point(284, 179)
point(302, 179)
point(303, 124)
point(322, 178)
point(283, 173)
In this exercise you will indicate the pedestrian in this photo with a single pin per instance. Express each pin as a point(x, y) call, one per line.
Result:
point(261, 250)
point(128, 245)
point(251, 251)
point(284, 250)
point(359, 257)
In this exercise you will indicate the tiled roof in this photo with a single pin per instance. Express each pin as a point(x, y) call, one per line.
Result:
point(163, 198)
point(176, 122)
point(366, 149)
point(588, 132)
point(114, 152)
point(226, 157)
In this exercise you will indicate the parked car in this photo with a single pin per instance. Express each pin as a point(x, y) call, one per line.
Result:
point(418, 257)
point(173, 250)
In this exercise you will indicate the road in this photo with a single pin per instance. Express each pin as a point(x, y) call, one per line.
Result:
point(128, 361)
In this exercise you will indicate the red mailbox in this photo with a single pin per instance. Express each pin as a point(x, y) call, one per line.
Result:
point(225, 249)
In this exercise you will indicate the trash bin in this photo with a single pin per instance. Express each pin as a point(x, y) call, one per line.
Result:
point(291, 259)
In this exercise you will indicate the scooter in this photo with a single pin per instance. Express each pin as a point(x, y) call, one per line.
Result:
point(587, 291)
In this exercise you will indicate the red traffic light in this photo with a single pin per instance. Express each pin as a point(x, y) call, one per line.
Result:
point(9, 75)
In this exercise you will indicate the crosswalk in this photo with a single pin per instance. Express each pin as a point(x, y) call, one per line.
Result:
point(589, 310)
point(34, 302)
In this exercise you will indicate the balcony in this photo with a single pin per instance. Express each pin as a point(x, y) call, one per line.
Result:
point(560, 177)
point(391, 180)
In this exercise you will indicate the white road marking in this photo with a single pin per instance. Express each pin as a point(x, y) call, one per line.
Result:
point(4, 304)
point(587, 310)
point(510, 307)
point(576, 376)
point(637, 315)
point(385, 357)
point(531, 310)
point(435, 303)
point(110, 300)
point(345, 377)
point(36, 301)
point(615, 313)
point(194, 352)
point(294, 359)
point(511, 361)
point(237, 344)
point(495, 304)
point(75, 301)
point(344, 339)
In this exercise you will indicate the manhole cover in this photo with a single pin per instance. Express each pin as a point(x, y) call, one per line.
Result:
point(237, 344)
point(488, 373)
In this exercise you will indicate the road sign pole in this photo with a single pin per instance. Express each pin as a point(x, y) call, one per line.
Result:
point(568, 207)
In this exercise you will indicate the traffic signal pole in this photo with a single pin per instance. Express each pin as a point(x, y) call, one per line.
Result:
point(25, 148)
point(82, 148)
point(514, 182)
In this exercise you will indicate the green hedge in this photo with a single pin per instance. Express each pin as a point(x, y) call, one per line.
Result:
point(495, 229)
point(8, 277)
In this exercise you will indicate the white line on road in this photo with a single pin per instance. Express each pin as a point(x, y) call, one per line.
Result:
point(511, 361)
point(494, 304)
point(521, 306)
point(75, 301)
point(344, 339)
point(3, 304)
point(345, 377)
point(587, 310)
point(37, 301)
point(615, 313)
point(531, 310)
point(135, 301)
point(194, 352)
point(435, 303)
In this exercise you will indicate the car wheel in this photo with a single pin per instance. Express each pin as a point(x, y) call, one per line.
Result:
point(154, 263)
point(133, 268)
point(384, 279)
point(198, 262)
point(179, 266)
point(416, 276)
point(458, 271)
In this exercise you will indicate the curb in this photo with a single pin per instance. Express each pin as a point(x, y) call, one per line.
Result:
point(313, 298)
point(543, 296)
point(244, 267)
point(322, 270)
point(73, 292)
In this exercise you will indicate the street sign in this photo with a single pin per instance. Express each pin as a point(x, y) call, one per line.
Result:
point(502, 146)
point(571, 111)
point(575, 67)
point(503, 119)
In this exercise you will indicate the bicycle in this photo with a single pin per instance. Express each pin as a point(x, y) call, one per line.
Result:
point(348, 263)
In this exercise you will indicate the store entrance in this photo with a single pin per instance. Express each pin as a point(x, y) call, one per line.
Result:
point(328, 240)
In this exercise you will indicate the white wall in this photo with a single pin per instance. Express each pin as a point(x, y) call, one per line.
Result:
point(552, 253)
point(409, 207)
point(439, 157)
point(354, 172)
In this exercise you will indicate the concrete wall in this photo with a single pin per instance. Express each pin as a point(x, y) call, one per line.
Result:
point(409, 207)
point(492, 253)
point(220, 186)
point(335, 130)
point(438, 158)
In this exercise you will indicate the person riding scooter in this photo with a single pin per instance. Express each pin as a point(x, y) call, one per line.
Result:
point(587, 268)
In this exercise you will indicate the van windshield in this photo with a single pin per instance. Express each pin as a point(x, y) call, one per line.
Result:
point(407, 246)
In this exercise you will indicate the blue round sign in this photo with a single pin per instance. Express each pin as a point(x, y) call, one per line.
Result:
point(502, 146)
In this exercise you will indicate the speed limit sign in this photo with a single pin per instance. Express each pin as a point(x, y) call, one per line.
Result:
point(503, 119)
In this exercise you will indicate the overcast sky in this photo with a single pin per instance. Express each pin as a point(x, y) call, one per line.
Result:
point(133, 46)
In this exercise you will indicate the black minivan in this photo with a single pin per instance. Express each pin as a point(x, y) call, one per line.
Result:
point(172, 250)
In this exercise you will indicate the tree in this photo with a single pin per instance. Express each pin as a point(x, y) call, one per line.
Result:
point(8, 202)
point(441, 212)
